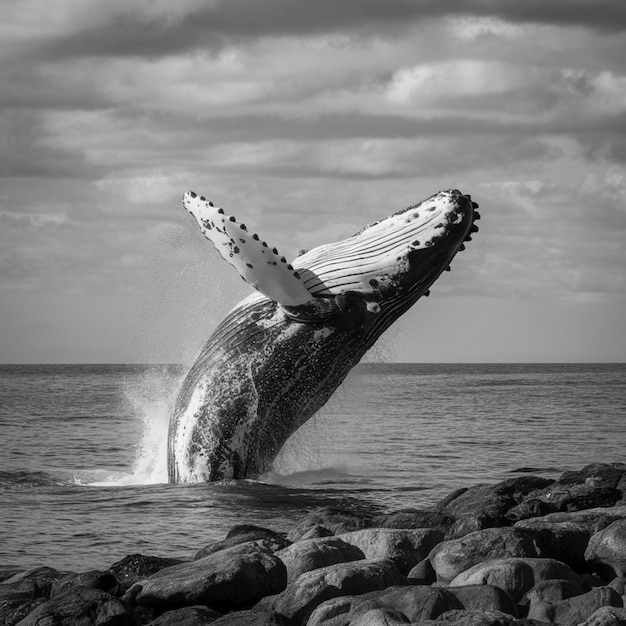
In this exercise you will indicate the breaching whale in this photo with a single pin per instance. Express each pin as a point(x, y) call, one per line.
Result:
point(280, 353)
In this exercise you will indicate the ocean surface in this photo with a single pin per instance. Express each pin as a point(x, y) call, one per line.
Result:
point(83, 478)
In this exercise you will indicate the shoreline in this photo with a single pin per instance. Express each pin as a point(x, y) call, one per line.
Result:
point(527, 550)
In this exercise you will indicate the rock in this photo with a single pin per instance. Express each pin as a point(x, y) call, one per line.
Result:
point(546, 593)
point(308, 591)
point(561, 497)
point(187, 616)
point(416, 602)
point(23, 592)
point(600, 474)
point(594, 519)
point(316, 532)
point(606, 616)
point(244, 533)
point(309, 554)
point(564, 541)
point(484, 598)
point(515, 575)
point(95, 579)
point(607, 549)
point(248, 618)
point(490, 503)
point(227, 579)
point(405, 547)
point(334, 519)
point(619, 584)
point(81, 607)
point(450, 558)
point(579, 608)
point(135, 567)
point(413, 518)
point(381, 617)
point(422, 574)
point(465, 617)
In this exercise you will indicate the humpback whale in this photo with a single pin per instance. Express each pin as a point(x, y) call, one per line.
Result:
point(280, 353)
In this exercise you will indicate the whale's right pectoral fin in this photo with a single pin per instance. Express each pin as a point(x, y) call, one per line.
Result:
point(258, 264)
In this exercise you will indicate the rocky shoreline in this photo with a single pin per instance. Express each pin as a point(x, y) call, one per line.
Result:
point(528, 550)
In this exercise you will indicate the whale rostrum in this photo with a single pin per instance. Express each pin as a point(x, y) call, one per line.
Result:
point(280, 353)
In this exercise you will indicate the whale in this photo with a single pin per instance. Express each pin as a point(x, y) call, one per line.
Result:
point(281, 352)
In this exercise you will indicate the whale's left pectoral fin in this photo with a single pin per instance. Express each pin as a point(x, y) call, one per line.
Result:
point(257, 263)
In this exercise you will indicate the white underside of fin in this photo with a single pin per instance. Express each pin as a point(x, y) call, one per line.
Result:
point(257, 263)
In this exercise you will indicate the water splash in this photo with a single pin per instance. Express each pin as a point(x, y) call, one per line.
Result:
point(150, 402)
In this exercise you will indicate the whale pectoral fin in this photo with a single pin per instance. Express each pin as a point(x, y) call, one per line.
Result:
point(258, 264)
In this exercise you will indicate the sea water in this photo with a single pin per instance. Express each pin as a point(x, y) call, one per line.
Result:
point(83, 475)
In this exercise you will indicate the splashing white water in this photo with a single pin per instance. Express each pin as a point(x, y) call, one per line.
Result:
point(150, 401)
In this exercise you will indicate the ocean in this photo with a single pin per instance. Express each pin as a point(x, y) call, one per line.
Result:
point(83, 477)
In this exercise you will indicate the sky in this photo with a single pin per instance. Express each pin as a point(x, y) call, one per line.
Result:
point(308, 120)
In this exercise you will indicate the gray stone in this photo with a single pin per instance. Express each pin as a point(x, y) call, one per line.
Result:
point(231, 577)
point(81, 607)
point(484, 598)
point(405, 547)
point(308, 591)
point(564, 541)
point(244, 533)
point(579, 608)
point(606, 616)
point(469, 617)
point(187, 616)
point(413, 518)
point(135, 567)
point(309, 554)
point(334, 519)
point(515, 575)
point(452, 557)
point(608, 548)
point(416, 602)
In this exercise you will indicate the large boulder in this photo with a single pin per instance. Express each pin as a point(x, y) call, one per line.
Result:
point(600, 474)
point(22, 592)
point(93, 579)
point(560, 497)
point(515, 575)
point(414, 602)
point(470, 617)
point(296, 603)
point(186, 616)
point(226, 579)
point(594, 519)
point(413, 518)
point(244, 533)
point(336, 520)
point(607, 548)
point(406, 547)
point(452, 557)
point(81, 607)
point(135, 567)
point(564, 541)
point(309, 554)
point(484, 598)
point(576, 609)
point(488, 504)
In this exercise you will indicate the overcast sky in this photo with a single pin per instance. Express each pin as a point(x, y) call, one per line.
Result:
point(308, 120)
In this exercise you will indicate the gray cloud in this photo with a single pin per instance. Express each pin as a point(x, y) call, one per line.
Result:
point(133, 33)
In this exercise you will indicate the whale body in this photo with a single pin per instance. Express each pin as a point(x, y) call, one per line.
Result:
point(280, 353)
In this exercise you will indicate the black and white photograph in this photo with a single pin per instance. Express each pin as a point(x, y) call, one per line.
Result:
point(312, 313)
